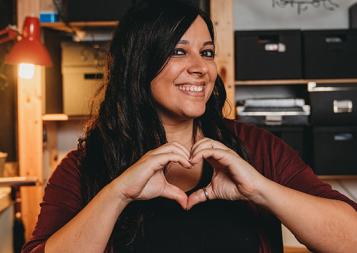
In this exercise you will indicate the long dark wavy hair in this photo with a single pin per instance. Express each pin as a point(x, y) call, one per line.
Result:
point(127, 124)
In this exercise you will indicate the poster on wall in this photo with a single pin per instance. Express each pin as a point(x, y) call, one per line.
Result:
point(291, 14)
point(304, 5)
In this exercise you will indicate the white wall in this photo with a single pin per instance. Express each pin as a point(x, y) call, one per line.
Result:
point(68, 134)
point(260, 14)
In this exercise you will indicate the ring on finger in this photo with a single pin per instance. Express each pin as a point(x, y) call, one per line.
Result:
point(206, 193)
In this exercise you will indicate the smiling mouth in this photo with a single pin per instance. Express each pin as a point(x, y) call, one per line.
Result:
point(192, 89)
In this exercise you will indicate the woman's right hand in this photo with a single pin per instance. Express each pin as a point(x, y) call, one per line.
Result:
point(145, 179)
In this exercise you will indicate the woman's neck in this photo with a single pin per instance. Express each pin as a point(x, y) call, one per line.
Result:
point(180, 132)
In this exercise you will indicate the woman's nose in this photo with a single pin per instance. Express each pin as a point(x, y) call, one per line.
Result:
point(197, 66)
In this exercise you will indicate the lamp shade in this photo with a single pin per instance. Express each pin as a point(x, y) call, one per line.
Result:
point(29, 48)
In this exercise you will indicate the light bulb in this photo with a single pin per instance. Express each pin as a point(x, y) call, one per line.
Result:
point(26, 70)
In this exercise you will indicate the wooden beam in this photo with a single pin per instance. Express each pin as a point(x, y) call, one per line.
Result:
point(29, 96)
point(222, 17)
point(26, 8)
point(30, 145)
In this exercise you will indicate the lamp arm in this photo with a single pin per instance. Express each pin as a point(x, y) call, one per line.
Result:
point(9, 33)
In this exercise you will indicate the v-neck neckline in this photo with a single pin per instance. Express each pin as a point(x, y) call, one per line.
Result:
point(205, 179)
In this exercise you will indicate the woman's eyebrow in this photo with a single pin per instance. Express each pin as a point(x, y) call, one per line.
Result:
point(183, 42)
point(186, 42)
point(208, 43)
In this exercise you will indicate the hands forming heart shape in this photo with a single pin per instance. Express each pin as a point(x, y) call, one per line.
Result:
point(233, 178)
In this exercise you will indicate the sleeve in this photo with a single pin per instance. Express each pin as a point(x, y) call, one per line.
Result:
point(292, 172)
point(61, 202)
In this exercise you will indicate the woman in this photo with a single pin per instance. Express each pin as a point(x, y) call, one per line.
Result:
point(161, 170)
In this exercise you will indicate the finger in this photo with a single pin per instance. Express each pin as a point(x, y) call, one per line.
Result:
point(175, 193)
point(219, 155)
point(182, 147)
point(199, 197)
point(208, 144)
point(204, 140)
point(172, 148)
point(159, 161)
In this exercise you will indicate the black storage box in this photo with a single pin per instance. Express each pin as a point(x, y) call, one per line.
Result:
point(335, 150)
point(107, 10)
point(333, 104)
point(330, 53)
point(268, 55)
point(297, 137)
point(352, 14)
point(92, 10)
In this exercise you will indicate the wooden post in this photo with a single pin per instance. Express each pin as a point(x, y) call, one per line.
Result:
point(27, 8)
point(29, 96)
point(30, 145)
point(222, 17)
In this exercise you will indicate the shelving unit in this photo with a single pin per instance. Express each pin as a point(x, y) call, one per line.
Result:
point(295, 81)
point(39, 156)
point(60, 26)
point(298, 82)
point(302, 83)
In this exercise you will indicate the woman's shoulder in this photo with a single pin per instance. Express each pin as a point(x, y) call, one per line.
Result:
point(269, 154)
point(68, 170)
point(250, 134)
point(258, 140)
point(72, 160)
point(64, 185)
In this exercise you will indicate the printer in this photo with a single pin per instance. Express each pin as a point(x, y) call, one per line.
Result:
point(274, 111)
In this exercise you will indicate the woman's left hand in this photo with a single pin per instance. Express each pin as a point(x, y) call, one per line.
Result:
point(233, 178)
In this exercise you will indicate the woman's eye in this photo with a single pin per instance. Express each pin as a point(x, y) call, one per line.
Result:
point(208, 53)
point(178, 52)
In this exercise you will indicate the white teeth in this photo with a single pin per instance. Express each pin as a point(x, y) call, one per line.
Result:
point(191, 88)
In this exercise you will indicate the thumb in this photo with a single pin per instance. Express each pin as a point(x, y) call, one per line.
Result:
point(200, 196)
point(175, 193)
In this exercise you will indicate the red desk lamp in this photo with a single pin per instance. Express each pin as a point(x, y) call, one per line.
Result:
point(28, 50)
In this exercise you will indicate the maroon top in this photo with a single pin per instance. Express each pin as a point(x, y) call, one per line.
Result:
point(270, 156)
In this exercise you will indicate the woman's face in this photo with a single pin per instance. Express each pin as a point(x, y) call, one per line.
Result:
point(182, 89)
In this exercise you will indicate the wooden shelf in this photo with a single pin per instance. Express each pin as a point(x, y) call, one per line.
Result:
point(296, 81)
point(62, 117)
point(18, 181)
point(338, 177)
point(270, 82)
point(80, 25)
point(55, 117)
point(290, 249)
